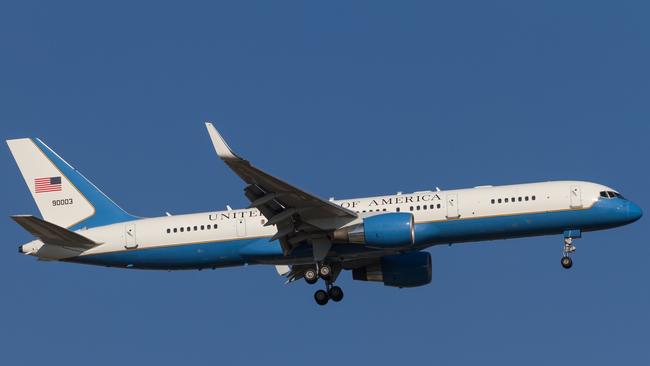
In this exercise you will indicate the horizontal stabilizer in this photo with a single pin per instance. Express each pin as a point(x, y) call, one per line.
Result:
point(52, 234)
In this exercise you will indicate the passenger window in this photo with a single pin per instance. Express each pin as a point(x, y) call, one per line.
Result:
point(384, 210)
point(411, 208)
point(262, 221)
point(438, 205)
point(397, 209)
point(189, 228)
point(512, 200)
point(417, 208)
point(526, 198)
point(175, 229)
point(196, 228)
point(208, 227)
point(169, 231)
point(519, 199)
point(182, 229)
point(499, 200)
point(202, 227)
point(431, 206)
point(506, 200)
point(533, 198)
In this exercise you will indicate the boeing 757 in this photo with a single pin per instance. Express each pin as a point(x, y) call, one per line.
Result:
point(382, 239)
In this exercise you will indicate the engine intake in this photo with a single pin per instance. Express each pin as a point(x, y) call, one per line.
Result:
point(390, 230)
point(402, 270)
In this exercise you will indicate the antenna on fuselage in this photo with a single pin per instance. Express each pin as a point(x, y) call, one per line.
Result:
point(437, 189)
point(228, 208)
point(167, 213)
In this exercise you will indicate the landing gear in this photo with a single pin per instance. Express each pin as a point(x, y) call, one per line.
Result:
point(329, 275)
point(311, 276)
point(568, 249)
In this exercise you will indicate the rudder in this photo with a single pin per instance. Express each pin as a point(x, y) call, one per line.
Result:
point(63, 195)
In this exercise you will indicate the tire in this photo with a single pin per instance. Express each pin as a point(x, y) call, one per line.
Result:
point(335, 293)
point(567, 262)
point(325, 272)
point(311, 277)
point(321, 297)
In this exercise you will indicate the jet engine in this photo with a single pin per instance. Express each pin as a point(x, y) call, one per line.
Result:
point(401, 270)
point(390, 230)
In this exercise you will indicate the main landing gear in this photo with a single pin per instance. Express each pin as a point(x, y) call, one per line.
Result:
point(569, 248)
point(330, 292)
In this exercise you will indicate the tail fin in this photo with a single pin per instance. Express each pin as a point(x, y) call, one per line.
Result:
point(63, 195)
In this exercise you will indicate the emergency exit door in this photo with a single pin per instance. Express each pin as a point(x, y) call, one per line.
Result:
point(452, 206)
point(129, 237)
point(241, 227)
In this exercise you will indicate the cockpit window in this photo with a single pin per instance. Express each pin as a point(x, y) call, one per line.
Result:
point(611, 194)
point(616, 194)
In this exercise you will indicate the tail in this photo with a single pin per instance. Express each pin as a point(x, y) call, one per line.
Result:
point(63, 195)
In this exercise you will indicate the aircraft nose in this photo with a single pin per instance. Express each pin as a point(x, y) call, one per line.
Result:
point(634, 212)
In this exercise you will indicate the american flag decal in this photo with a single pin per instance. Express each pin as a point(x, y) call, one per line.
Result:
point(49, 184)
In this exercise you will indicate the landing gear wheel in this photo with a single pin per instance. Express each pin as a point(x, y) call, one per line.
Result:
point(335, 293)
point(311, 276)
point(325, 271)
point(321, 297)
point(567, 262)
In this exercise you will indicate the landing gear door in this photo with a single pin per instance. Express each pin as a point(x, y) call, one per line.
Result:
point(576, 197)
point(129, 237)
point(452, 206)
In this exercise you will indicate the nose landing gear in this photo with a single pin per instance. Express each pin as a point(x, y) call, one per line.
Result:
point(569, 248)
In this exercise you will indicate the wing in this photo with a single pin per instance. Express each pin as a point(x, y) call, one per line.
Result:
point(299, 216)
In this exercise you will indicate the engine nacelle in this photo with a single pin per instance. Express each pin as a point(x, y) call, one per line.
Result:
point(390, 230)
point(401, 270)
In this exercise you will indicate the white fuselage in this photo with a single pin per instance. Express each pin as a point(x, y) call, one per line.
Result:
point(427, 207)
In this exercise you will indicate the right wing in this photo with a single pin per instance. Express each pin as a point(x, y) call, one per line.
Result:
point(299, 216)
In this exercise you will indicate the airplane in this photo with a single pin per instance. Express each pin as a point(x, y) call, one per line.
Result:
point(381, 239)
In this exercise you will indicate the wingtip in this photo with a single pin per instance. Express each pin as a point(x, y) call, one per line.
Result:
point(220, 146)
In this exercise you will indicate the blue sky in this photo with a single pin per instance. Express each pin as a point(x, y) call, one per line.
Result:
point(343, 100)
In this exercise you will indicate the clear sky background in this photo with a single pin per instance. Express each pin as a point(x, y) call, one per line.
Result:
point(341, 99)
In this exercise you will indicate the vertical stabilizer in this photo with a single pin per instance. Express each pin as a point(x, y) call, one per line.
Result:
point(63, 195)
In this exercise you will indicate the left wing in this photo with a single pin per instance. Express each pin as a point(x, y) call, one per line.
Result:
point(299, 216)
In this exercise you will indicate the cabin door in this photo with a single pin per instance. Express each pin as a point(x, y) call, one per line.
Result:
point(576, 197)
point(241, 227)
point(129, 237)
point(452, 206)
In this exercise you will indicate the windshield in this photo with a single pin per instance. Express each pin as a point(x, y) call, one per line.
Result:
point(611, 194)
